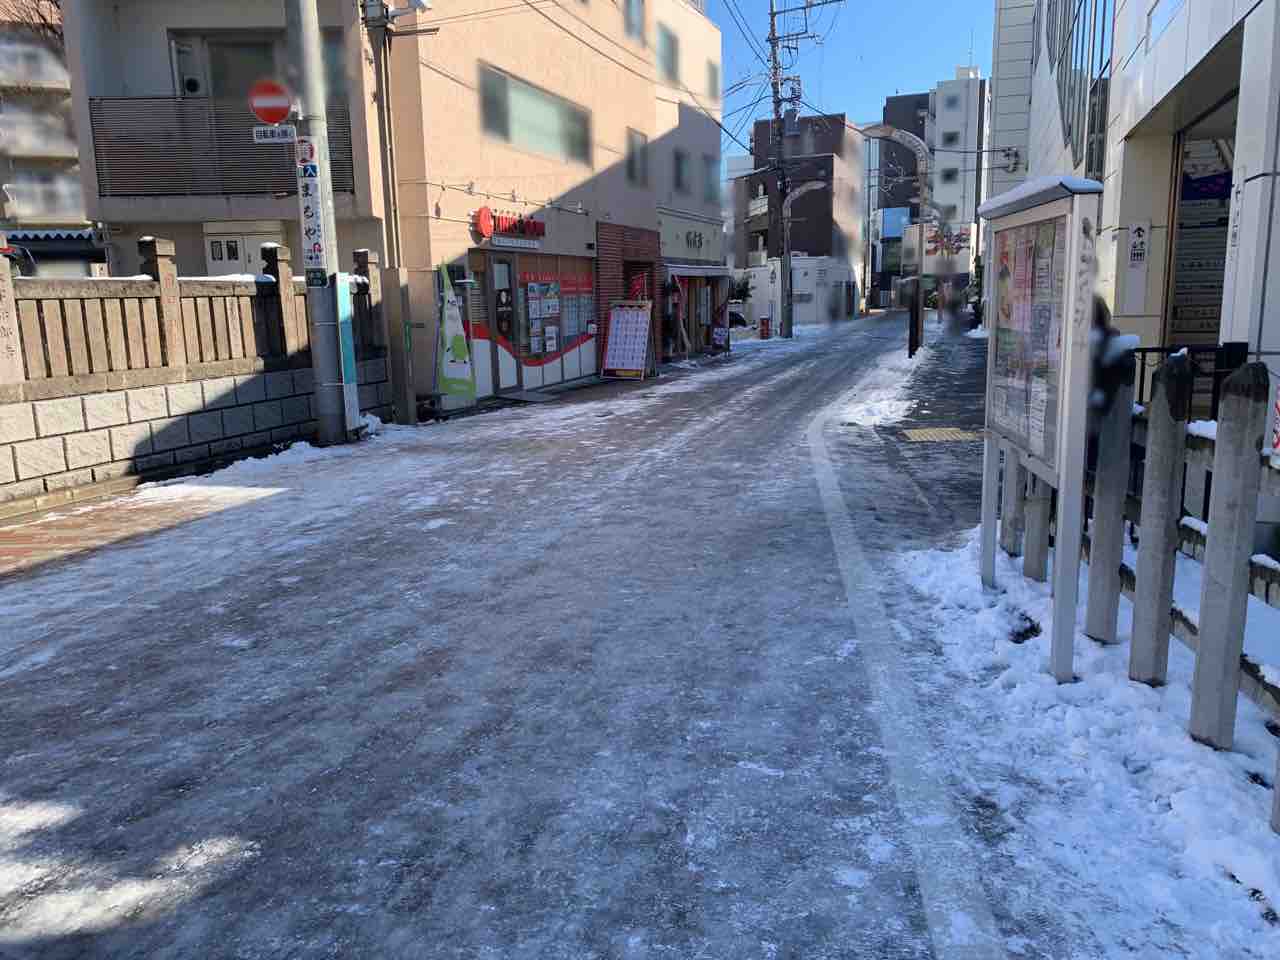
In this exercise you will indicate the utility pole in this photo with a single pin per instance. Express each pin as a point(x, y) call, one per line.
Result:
point(790, 41)
point(379, 20)
point(318, 227)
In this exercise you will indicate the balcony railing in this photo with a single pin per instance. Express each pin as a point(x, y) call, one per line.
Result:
point(757, 258)
point(757, 205)
point(190, 146)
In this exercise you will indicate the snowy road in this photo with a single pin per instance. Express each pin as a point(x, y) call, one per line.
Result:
point(588, 679)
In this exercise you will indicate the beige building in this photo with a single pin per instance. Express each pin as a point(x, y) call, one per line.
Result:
point(534, 145)
point(41, 205)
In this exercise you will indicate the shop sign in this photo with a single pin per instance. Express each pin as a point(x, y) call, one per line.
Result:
point(504, 229)
point(1135, 265)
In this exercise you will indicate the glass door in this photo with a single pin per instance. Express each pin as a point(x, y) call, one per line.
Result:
point(505, 335)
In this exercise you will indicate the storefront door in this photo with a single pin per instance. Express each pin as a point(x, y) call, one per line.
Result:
point(506, 368)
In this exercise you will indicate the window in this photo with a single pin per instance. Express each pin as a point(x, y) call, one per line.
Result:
point(949, 211)
point(235, 66)
point(668, 54)
point(950, 139)
point(633, 13)
point(950, 174)
point(680, 171)
point(713, 79)
point(637, 158)
point(710, 178)
point(952, 101)
point(533, 119)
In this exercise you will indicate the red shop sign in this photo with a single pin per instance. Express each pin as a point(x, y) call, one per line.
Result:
point(487, 223)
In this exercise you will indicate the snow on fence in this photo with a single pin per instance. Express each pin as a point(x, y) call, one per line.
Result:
point(1230, 573)
point(110, 376)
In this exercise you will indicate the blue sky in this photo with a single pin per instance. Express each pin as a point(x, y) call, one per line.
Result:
point(870, 52)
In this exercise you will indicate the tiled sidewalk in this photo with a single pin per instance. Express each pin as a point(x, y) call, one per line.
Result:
point(33, 541)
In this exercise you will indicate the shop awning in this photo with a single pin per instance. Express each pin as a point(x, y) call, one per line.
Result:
point(698, 270)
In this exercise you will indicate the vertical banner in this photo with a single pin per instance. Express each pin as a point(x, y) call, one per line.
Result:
point(1135, 267)
point(345, 312)
point(454, 361)
point(312, 225)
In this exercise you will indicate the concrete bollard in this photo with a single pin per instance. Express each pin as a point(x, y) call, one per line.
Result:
point(1158, 549)
point(1013, 507)
point(1224, 594)
point(1035, 560)
point(1110, 489)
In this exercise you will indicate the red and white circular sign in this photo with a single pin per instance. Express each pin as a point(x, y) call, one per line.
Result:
point(270, 101)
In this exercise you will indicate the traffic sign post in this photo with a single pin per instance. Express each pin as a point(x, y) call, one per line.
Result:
point(270, 101)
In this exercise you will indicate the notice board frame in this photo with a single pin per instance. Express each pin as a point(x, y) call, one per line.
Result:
point(1079, 202)
point(650, 369)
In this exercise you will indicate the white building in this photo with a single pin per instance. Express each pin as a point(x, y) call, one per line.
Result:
point(1010, 95)
point(1175, 106)
point(956, 132)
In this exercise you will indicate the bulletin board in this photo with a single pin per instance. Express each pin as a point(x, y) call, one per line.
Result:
point(629, 352)
point(1030, 271)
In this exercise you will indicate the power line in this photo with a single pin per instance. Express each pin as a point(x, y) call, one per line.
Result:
point(740, 21)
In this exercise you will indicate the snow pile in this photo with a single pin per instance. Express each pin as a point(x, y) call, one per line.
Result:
point(1150, 843)
point(978, 333)
point(882, 397)
point(372, 424)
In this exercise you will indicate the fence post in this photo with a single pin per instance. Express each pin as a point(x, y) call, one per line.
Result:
point(1013, 506)
point(367, 266)
point(157, 262)
point(1224, 592)
point(11, 370)
point(1110, 490)
point(1161, 495)
point(276, 261)
point(1035, 560)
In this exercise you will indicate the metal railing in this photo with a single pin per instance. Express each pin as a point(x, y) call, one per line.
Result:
point(194, 146)
point(757, 206)
point(1210, 365)
point(757, 258)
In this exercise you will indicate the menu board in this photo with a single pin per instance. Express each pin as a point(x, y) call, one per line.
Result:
point(627, 351)
point(1030, 291)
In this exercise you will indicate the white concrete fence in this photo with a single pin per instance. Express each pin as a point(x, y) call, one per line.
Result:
point(1241, 473)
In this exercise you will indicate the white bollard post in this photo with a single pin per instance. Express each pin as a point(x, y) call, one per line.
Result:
point(1035, 559)
point(1110, 490)
point(1013, 502)
point(990, 490)
point(1224, 593)
point(1158, 548)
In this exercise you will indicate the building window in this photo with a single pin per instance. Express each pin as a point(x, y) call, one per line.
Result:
point(710, 178)
point(680, 171)
point(950, 139)
point(952, 101)
point(533, 119)
point(1078, 41)
point(668, 54)
point(633, 12)
point(637, 158)
point(950, 174)
point(713, 79)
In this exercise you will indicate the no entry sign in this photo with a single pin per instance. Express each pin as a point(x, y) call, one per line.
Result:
point(270, 101)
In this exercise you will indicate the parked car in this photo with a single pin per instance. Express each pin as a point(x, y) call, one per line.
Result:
point(737, 313)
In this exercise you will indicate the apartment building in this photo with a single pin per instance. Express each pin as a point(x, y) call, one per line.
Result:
point(41, 204)
point(898, 165)
point(827, 223)
point(535, 148)
point(956, 132)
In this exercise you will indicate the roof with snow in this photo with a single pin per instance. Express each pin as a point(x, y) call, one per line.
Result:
point(1033, 193)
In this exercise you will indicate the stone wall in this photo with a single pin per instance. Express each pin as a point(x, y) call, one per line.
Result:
point(106, 380)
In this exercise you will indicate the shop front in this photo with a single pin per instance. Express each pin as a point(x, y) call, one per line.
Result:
point(531, 314)
point(695, 283)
